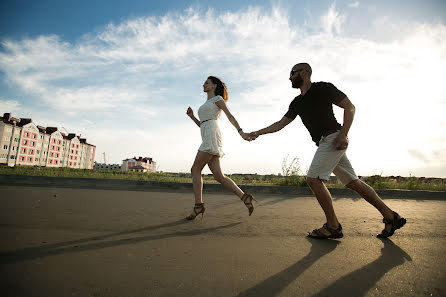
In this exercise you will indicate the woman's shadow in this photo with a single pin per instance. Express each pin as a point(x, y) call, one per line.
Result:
point(273, 285)
point(360, 281)
point(104, 241)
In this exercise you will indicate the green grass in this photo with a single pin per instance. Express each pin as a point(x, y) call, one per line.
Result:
point(376, 181)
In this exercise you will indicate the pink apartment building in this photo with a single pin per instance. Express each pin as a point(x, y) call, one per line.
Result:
point(139, 164)
point(24, 143)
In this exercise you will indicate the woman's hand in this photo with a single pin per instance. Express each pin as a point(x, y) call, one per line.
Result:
point(245, 136)
point(190, 112)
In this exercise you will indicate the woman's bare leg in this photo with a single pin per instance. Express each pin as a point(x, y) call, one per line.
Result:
point(201, 160)
point(214, 166)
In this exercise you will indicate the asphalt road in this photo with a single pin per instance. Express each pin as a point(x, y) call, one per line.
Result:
point(78, 242)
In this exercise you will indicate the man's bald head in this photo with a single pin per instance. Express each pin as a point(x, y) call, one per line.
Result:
point(304, 66)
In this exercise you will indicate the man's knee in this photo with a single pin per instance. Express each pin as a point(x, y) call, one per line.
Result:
point(355, 184)
point(311, 181)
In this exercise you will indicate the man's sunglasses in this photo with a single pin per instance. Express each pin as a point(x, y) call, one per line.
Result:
point(294, 71)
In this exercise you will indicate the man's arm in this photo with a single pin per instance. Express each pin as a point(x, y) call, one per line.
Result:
point(277, 126)
point(341, 142)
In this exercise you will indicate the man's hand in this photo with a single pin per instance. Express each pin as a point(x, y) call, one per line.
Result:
point(252, 136)
point(341, 142)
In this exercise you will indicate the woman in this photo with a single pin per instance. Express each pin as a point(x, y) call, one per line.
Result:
point(210, 149)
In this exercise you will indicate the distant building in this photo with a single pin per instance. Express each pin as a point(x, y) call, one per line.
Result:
point(102, 166)
point(24, 143)
point(139, 165)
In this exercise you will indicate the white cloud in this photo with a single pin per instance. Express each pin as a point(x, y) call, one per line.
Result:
point(332, 20)
point(9, 106)
point(354, 4)
point(136, 78)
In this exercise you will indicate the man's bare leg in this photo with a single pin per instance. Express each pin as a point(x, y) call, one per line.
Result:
point(370, 195)
point(325, 200)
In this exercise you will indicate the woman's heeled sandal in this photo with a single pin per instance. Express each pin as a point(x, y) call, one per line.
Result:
point(247, 200)
point(396, 223)
point(198, 208)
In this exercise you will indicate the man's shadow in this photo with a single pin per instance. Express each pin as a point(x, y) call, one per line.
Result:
point(360, 281)
point(273, 285)
point(96, 242)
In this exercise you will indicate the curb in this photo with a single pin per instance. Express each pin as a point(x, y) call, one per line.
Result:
point(133, 185)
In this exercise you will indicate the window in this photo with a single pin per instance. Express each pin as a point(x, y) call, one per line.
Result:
point(51, 161)
point(55, 162)
point(16, 139)
point(30, 159)
point(5, 147)
point(26, 134)
point(31, 152)
point(37, 159)
point(51, 154)
point(41, 136)
point(70, 163)
point(7, 138)
point(13, 148)
point(33, 143)
point(22, 158)
point(25, 142)
point(23, 150)
point(3, 156)
point(37, 151)
point(58, 142)
point(12, 157)
point(77, 145)
point(8, 129)
point(34, 135)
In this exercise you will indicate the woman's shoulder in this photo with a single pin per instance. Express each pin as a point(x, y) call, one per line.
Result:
point(216, 99)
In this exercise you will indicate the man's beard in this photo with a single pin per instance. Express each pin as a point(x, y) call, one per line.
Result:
point(298, 82)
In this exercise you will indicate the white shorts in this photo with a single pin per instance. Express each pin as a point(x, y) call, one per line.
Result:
point(328, 159)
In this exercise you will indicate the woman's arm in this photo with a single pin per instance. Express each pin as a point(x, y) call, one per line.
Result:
point(190, 113)
point(222, 105)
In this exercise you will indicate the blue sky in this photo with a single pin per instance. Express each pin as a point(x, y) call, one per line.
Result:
point(123, 74)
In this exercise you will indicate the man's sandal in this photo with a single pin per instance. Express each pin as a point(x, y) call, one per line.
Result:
point(334, 233)
point(396, 223)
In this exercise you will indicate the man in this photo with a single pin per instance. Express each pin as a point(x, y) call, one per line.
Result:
point(315, 107)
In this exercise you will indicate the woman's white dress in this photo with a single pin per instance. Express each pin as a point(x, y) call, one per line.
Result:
point(208, 114)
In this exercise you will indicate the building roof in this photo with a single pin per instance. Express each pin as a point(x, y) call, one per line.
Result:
point(23, 122)
point(8, 119)
point(141, 159)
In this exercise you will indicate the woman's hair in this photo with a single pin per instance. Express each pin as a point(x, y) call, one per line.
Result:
point(221, 87)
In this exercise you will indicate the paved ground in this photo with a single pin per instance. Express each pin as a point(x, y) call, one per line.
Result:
point(77, 242)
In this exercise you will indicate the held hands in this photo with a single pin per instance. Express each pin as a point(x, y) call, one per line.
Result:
point(248, 136)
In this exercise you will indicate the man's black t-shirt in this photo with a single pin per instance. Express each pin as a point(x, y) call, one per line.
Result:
point(315, 109)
